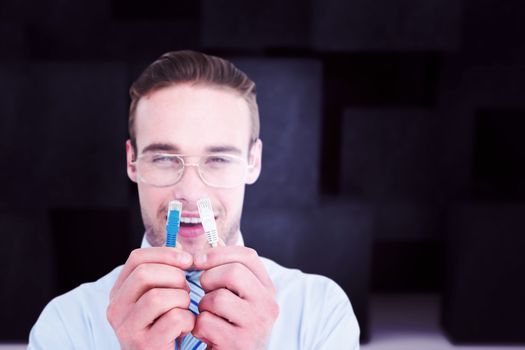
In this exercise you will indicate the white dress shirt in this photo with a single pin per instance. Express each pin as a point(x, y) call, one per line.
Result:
point(315, 313)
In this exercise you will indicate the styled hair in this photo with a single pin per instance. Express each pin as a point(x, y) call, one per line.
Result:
point(187, 66)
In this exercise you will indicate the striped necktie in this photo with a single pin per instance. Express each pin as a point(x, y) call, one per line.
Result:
point(196, 293)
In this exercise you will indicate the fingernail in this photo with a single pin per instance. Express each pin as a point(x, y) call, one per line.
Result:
point(200, 258)
point(184, 257)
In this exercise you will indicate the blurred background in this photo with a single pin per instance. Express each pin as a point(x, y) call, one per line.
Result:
point(394, 156)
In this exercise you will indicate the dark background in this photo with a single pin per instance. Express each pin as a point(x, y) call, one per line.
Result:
point(393, 139)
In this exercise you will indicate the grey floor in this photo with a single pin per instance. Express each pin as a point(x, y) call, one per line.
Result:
point(399, 322)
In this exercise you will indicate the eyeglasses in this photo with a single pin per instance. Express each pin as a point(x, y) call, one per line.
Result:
point(215, 170)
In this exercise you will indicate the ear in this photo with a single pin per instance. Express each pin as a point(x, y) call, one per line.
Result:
point(130, 157)
point(254, 162)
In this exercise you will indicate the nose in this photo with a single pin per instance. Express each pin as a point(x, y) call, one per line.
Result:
point(190, 186)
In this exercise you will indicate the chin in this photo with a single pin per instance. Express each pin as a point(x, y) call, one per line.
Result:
point(155, 239)
point(193, 245)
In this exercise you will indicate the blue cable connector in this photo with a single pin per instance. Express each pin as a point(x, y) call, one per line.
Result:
point(173, 223)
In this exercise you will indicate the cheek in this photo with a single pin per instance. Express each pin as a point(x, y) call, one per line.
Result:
point(232, 201)
point(151, 199)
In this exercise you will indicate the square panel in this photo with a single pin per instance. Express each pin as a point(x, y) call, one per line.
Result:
point(289, 98)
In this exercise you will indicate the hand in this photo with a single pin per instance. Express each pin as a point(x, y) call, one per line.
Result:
point(148, 307)
point(239, 308)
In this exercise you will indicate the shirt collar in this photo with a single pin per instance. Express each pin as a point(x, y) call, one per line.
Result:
point(145, 243)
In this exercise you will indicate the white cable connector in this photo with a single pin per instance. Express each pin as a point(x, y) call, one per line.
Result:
point(208, 221)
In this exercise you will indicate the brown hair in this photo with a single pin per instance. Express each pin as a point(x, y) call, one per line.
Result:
point(192, 67)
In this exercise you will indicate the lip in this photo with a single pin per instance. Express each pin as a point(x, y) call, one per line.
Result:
point(185, 214)
point(191, 231)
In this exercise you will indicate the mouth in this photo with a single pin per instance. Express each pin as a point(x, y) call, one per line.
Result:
point(190, 225)
point(190, 220)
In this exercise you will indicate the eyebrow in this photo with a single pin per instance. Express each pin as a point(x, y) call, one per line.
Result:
point(224, 149)
point(160, 147)
point(168, 147)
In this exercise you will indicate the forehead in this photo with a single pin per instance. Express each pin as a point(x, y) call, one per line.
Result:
point(193, 118)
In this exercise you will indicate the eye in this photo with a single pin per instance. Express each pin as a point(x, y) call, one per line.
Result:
point(160, 159)
point(217, 160)
point(164, 160)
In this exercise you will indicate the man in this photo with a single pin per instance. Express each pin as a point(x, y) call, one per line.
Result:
point(194, 133)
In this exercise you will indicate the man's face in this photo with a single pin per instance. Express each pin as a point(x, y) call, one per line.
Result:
point(193, 120)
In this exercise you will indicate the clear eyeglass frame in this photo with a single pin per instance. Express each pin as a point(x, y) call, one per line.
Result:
point(202, 174)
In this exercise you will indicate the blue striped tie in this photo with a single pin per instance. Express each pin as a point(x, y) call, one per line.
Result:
point(196, 293)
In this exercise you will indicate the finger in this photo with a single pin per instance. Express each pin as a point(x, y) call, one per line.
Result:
point(161, 255)
point(172, 324)
point(211, 328)
point(154, 303)
point(148, 276)
point(236, 277)
point(229, 254)
point(225, 304)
